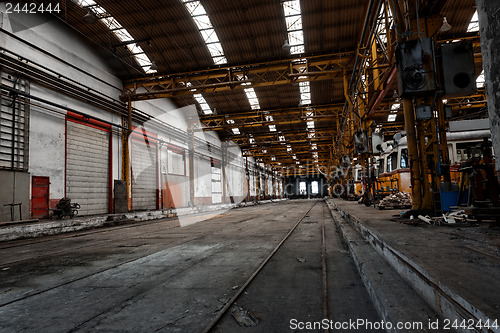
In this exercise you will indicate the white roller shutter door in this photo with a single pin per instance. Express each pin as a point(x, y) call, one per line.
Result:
point(87, 168)
point(144, 180)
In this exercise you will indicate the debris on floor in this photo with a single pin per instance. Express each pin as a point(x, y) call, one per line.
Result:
point(244, 318)
point(450, 219)
point(301, 260)
point(396, 200)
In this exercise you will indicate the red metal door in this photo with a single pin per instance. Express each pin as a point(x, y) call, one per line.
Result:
point(40, 197)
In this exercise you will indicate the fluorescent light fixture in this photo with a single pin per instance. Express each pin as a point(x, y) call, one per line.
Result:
point(272, 128)
point(392, 117)
point(236, 131)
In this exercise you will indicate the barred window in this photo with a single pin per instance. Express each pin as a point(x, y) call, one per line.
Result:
point(14, 123)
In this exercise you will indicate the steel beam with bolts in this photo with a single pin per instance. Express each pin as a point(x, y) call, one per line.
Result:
point(314, 68)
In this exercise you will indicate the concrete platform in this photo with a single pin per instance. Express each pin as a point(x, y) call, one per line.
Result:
point(29, 229)
point(454, 269)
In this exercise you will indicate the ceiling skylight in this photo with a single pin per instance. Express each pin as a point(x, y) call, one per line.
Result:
point(480, 80)
point(474, 23)
point(205, 108)
point(236, 131)
point(202, 21)
point(121, 33)
point(252, 98)
point(293, 19)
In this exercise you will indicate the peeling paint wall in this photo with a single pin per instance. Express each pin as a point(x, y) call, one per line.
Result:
point(489, 27)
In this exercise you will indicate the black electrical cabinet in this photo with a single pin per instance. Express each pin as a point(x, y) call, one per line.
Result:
point(458, 69)
point(415, 64)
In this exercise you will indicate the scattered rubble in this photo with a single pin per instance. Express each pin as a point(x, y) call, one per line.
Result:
point(396, 200)
point(244, 318)
point(449, 219)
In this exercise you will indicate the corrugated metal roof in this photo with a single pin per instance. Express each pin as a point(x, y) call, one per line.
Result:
point(250, 31)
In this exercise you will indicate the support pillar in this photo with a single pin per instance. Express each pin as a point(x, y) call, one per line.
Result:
point(489, 25)
point(191, 167)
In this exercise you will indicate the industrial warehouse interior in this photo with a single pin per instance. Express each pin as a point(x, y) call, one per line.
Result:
point(249, 166)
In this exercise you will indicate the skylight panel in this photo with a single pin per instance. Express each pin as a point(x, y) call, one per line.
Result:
point(85, 3)
point(194, 8)
point(209, 36)
point(480, 80)
point(291, 7)
point(205, 108)
point(272, 128)
point(252, 98)
point(310, 124)
point(474, 23)
point(236, 131)
point(293, 20)
point(392, 117)
point(121, 33)
point(204, 25)
point(293, 23)
point(295, 37)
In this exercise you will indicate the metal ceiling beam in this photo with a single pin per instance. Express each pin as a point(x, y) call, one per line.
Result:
point(314, 68)
point(258, 118)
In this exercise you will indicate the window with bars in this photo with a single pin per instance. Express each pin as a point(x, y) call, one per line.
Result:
point(14, 124)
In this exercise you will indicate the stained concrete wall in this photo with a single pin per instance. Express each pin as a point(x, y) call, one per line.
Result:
point(489, 26)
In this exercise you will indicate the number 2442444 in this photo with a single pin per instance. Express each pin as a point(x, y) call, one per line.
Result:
point(32, 8)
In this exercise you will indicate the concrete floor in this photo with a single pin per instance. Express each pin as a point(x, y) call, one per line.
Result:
point(462, 264)
point(160, 277)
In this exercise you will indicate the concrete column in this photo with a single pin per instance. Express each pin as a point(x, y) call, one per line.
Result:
point(489, 25)
point(191, 167)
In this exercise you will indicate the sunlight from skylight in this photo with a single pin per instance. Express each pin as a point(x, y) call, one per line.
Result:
point(252, 98)
point(305, 93)
point(480, 80)
point(202, 21)
point(474, 23)
point(205, 108)
point(293, 20)
point(121, 33)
